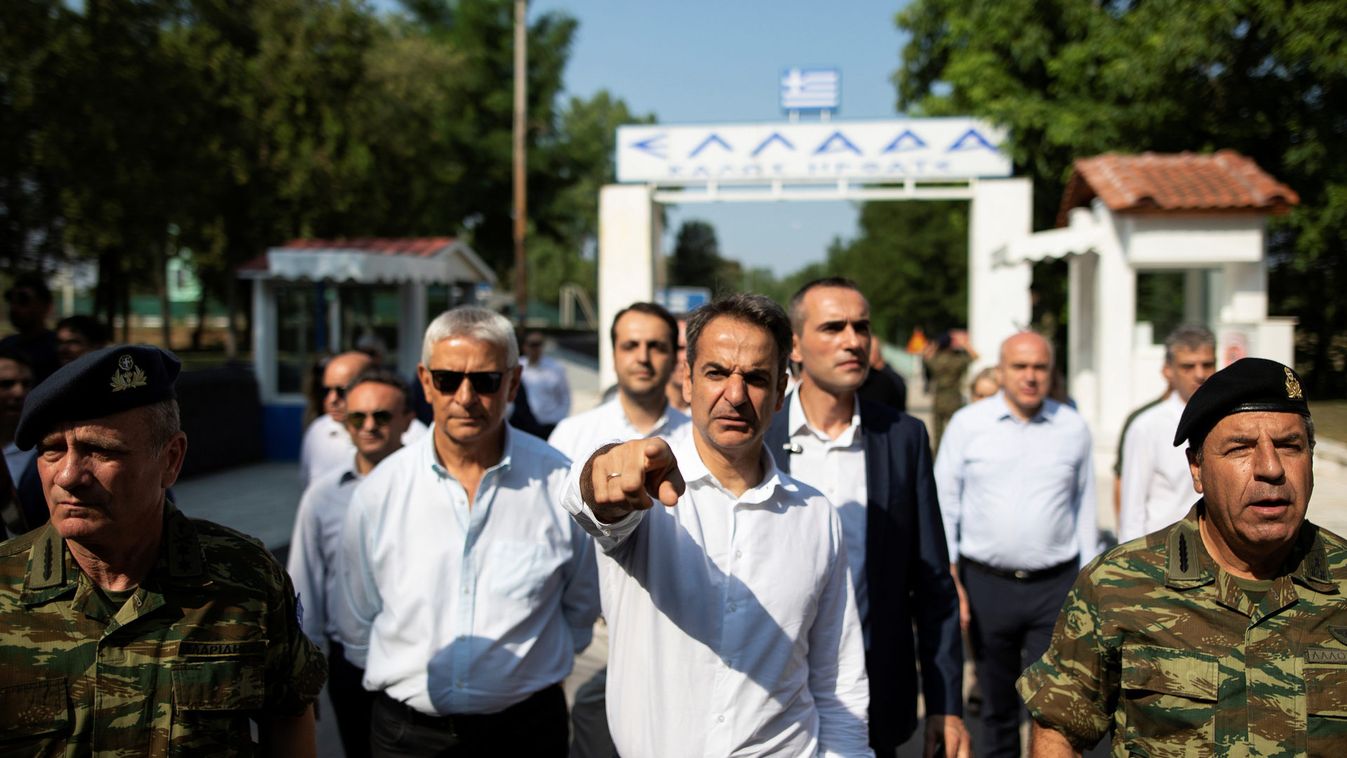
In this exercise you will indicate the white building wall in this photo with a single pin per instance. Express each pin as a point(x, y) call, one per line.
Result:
point(629, 265)
point(998, 292)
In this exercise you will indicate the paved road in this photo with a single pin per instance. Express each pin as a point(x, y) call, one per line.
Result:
point(261, 500)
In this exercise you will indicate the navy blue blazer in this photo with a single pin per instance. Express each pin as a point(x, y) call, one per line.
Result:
point(907, 569)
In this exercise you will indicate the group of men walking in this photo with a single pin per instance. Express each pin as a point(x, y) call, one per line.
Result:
point(779, 573)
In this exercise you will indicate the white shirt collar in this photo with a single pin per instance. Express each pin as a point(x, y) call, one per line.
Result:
point(798, 423)
point(432, 458)
point(694, 470)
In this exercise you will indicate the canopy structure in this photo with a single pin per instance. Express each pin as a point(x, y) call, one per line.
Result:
point(1121, 215)
point(313, 296)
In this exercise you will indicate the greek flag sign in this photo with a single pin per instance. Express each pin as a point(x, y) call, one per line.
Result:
point(811, 89)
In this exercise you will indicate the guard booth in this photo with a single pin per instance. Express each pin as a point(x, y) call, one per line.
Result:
point(314, 297)
point(1201, 217)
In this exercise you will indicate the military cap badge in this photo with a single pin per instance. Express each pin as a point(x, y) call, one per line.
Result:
point(128, 376)
point(1292, 385)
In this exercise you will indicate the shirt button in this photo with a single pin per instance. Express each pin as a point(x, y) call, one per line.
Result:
point(738, 554)
point(720, 718)
point(731, 608)
point(467, 590)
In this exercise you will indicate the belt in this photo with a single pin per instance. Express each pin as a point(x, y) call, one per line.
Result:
point(1021, 575)
point(453, 721)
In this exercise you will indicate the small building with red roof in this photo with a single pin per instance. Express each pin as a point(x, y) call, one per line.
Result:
point(1201, 215)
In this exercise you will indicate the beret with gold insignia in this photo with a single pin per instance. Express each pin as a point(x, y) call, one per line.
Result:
point(1248, 384)
point(106, 381)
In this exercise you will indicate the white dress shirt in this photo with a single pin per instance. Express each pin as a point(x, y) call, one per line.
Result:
point(836, 467)
point(1157, 487)
point(452, 608)
point(582, 434)
point(327, 446)
point(315, 547)
point(732, 625)
point(549, 394)
point(1017, 494)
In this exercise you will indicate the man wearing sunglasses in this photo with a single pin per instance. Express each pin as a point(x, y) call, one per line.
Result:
point(378, 412)
point(468, 589)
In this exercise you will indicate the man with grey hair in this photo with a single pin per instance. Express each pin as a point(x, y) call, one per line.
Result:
point(468, 588)
point(1156, 487)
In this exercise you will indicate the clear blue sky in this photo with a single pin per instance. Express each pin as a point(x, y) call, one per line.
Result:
point(719, 61)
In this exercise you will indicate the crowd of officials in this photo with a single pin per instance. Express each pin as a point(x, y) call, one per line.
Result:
point(783, 565)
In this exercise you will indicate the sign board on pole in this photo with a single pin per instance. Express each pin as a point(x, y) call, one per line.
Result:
point(859, 151)
point(683, 299)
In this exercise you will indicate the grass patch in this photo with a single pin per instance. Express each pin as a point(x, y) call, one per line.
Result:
point(1330, 419)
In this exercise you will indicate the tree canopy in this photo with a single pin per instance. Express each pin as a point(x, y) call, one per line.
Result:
point(129, 128)
point(1073, 78)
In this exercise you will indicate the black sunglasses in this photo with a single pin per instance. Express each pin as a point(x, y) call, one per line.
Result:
point(483, 382)
point(341, 391)
point(356, 419)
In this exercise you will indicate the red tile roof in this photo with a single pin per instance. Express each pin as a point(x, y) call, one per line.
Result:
point(417, 247)
point(1223, 182)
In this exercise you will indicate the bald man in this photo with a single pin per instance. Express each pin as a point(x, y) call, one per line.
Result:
point(1016, 487)
point(327, 445)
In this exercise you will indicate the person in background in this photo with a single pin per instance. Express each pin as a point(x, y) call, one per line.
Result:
point(674, 390)
point(1015, 479)
point(29, 303)
point(882, 384)
point(947, 359)
point(984, 385)
point(378, 411)
point(549, 392)
point(1157, 488)
point(80, 334)
point(29, 509)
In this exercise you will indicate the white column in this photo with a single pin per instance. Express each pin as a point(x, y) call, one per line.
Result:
point(628, 252)
point(998, 293)
point(1115, 318)
point(264, 338)
point(334, 340)
point(1083, 332)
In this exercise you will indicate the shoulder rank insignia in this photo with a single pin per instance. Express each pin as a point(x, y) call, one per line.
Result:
point(128, 376)
point(1339, 633)
point(1292, 385)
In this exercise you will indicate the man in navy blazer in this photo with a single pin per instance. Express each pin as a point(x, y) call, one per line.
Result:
point(874, 464)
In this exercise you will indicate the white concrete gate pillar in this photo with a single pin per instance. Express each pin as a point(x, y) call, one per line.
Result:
point(998, 292)
point(629, 259)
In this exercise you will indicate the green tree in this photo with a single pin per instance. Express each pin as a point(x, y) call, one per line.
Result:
point(696, 260)
point(1073, 78)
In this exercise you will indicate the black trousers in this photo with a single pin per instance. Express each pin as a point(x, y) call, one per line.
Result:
point(352, 704)
point(535, 727)
point(1011, 628)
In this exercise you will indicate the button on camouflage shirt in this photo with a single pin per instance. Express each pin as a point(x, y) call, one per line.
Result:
point(208, 640)
point(1160, 645)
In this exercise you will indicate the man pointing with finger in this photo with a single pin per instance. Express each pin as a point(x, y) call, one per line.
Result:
point(733, 627)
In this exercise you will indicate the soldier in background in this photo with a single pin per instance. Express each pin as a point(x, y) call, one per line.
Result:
point(80, 334)
point(947, 359)
point(129, 629)
point(1222, 634)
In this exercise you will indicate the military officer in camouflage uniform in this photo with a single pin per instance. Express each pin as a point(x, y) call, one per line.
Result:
point(125, 627)
point(1226, 633)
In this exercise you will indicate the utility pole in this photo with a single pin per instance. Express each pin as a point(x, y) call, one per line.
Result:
point(521, 277)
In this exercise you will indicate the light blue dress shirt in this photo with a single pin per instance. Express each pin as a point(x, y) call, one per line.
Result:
point(1017, 494)
point(315, 548)
point(452, 609)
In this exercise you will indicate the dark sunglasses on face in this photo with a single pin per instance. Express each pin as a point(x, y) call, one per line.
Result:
point(356, 419)
point(483, 382)
point(341, 391)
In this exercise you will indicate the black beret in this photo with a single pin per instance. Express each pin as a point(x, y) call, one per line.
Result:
point(1248, 384)
point(97, 384)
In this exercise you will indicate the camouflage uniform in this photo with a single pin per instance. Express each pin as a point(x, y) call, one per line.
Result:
point(209, 639)
point(1159, 644)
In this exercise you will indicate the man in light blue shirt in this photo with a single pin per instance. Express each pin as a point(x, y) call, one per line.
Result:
point(469, 588)
point(1015, 479)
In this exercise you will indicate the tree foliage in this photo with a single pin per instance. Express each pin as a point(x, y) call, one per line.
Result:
point(129, 128)
point(1073, 78)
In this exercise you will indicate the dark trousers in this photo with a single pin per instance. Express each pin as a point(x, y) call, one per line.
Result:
point(352, 704)
point(1011, 628)
point(535, 727)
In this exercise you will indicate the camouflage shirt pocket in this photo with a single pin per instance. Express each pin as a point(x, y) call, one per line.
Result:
point(1169, 698)
point(213, 699)
point(35, 717)
point(1326, 710)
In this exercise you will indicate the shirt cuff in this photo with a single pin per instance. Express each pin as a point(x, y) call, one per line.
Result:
point(608, 535)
